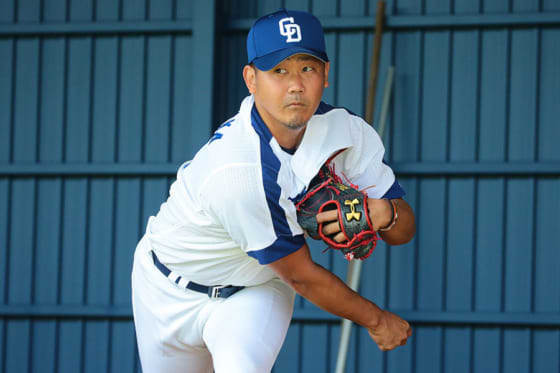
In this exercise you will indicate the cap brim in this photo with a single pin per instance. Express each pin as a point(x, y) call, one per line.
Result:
point(270, 60)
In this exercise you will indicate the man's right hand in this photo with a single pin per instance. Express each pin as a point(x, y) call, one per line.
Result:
point(390, 332)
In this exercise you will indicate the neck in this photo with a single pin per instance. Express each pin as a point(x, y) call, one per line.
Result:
point(286, 137)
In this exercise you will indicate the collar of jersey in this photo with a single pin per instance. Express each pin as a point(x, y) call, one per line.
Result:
point(259, 125)
point(321, 140)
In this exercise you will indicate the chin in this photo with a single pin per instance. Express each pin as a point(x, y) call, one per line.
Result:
point(295, 125)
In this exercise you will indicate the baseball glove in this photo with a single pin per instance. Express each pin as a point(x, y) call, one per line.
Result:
point(328, 192)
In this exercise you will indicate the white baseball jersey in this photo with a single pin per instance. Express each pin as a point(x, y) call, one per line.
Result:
point(231, 209)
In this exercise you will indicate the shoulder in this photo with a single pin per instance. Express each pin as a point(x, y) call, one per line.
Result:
point(325, 108)
point(340, 116)
point(341, 122)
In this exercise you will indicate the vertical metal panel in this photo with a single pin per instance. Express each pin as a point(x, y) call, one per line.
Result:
point(6, 112)
point(47, 267)
point(406, 97)
point(550, 5)
point(466, 7)
point(123, 347)
point(78, 89)
point(17, 346)
point(181, 97)
point(547, 276)
point(435, 96)
point(319, 9)
point(7, 64)
point(159, 10)
point(156, 130)
point(456, 349)
point(487, 354)
point(489, 245)
point(269, 6)
point(493, 95)
point(25, 105)
point(54, 10)
point(96, 342)
point(7, 11)
point(134, 9)
point(525, 6)
point(517, 350)
point(51, 109)
point(4, 241)
point(104, 100)
point(296, 5)
point(204, 24)
point(316, 336)
point(43, 346)
point(183, 9)
point(28, 10)
point(544, 345)
point(81, 10)
point(523, 93)
point(463, 106)
point(106, 10)
point(408, 7)
point(351, 60)
point(437, 6)
point(428, 352)
point(131, 82)
point(460, 245)
point(128, 225)
point(230, 85)
point(496, 6)
point(549, 104)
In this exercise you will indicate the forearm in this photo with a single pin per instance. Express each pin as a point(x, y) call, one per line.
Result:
point(327, 291)
point(331, 294)
point(381, 213)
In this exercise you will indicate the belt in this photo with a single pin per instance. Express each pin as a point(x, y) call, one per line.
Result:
point(218, 291)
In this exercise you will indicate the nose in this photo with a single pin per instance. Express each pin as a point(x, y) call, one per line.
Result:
point(296, 84)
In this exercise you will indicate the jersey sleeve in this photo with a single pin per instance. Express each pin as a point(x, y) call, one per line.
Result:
point(253, 211)
point(363, 164)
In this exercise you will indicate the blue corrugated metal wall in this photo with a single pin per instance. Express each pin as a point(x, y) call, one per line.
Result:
point(100, 101)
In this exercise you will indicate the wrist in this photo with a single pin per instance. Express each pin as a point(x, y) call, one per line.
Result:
point(380, 213)
point(394, 215)
point(376, 317)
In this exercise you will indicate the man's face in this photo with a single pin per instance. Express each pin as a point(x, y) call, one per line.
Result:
point(289, 93)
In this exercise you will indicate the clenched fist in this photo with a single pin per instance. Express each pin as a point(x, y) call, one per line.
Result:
point(390, 332)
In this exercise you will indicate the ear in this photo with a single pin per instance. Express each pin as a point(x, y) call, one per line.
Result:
point(327, 68)
point(249, 75)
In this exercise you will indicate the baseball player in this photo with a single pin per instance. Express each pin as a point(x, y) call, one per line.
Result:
point(215, 275)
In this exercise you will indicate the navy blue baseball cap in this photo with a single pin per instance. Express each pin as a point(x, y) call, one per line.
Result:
point(279, 35)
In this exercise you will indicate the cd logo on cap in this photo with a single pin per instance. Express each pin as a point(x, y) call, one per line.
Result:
point(289, 30)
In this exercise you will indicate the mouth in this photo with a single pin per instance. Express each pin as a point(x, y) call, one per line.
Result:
point(295, 105)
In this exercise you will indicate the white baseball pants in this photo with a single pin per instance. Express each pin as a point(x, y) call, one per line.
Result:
point(185, 331)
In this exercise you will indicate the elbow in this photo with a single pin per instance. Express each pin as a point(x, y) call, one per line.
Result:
point(300, 281)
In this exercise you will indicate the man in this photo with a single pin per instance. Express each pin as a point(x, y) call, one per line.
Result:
point(214, 275)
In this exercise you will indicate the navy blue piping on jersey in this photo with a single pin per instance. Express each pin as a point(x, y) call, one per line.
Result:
point(324, 108)
point(395, 191)
point(285, 243)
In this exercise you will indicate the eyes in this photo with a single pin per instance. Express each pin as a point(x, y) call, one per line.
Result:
point(304, 69)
